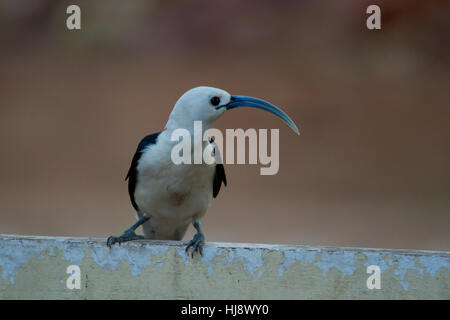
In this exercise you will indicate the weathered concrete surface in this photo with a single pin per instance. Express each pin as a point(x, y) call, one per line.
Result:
point(35, 267)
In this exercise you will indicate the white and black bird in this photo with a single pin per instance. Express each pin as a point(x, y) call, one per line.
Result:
point(168, 197)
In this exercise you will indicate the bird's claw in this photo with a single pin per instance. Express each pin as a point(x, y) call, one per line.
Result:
point(197, 244)
point(128, 235)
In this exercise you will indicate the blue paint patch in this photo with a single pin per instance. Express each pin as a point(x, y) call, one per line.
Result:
point(291, 256)
point(375, 258)
point(403, 264)
point(183, 255)
point(344, 261)
point(252, 259)
point(71, 253)
point(108, 258)
point(432, 264)
point(158, 251)
point(138, 257)
point(15, 255)
point(209, 253)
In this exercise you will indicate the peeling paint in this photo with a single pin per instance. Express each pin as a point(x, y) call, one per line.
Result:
point(375, 258)
point(252, 259)
point(15, 254)
point(183, 255)
point(291, 256)
point(139, 258)
point(209, 254)
point(403, 264)
point(73, 254)
point(344, 261)
point(434, 263)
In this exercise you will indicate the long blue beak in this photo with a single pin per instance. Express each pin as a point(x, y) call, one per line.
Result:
point(243, 101)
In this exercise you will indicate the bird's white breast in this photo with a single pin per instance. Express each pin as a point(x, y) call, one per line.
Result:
point(172, 195)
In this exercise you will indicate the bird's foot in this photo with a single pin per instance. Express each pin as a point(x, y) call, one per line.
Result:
point(196, 243)
point(128, 235)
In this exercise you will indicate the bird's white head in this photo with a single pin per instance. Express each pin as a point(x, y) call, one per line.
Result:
point(207, 104)
point(198, 104)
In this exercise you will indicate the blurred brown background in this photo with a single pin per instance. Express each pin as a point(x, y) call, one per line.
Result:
point(371, 168)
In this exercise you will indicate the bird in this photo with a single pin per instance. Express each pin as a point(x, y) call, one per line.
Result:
point(168, 197)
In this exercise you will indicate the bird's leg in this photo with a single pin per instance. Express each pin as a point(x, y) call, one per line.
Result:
point(198, 241)
point(129, 234)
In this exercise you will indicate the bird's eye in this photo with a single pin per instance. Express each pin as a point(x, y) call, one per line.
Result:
point(215, 101)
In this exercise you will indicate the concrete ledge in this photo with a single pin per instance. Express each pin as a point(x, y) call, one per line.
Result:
point(36, 267)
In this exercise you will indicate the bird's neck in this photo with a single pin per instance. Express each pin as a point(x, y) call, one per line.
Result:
point(193, 133)
point(194, 127)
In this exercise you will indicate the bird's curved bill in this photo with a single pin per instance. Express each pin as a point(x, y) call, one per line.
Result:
point(244, 101)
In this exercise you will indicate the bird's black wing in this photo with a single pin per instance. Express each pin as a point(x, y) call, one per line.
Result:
point(132, 172)
point(219, 176)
